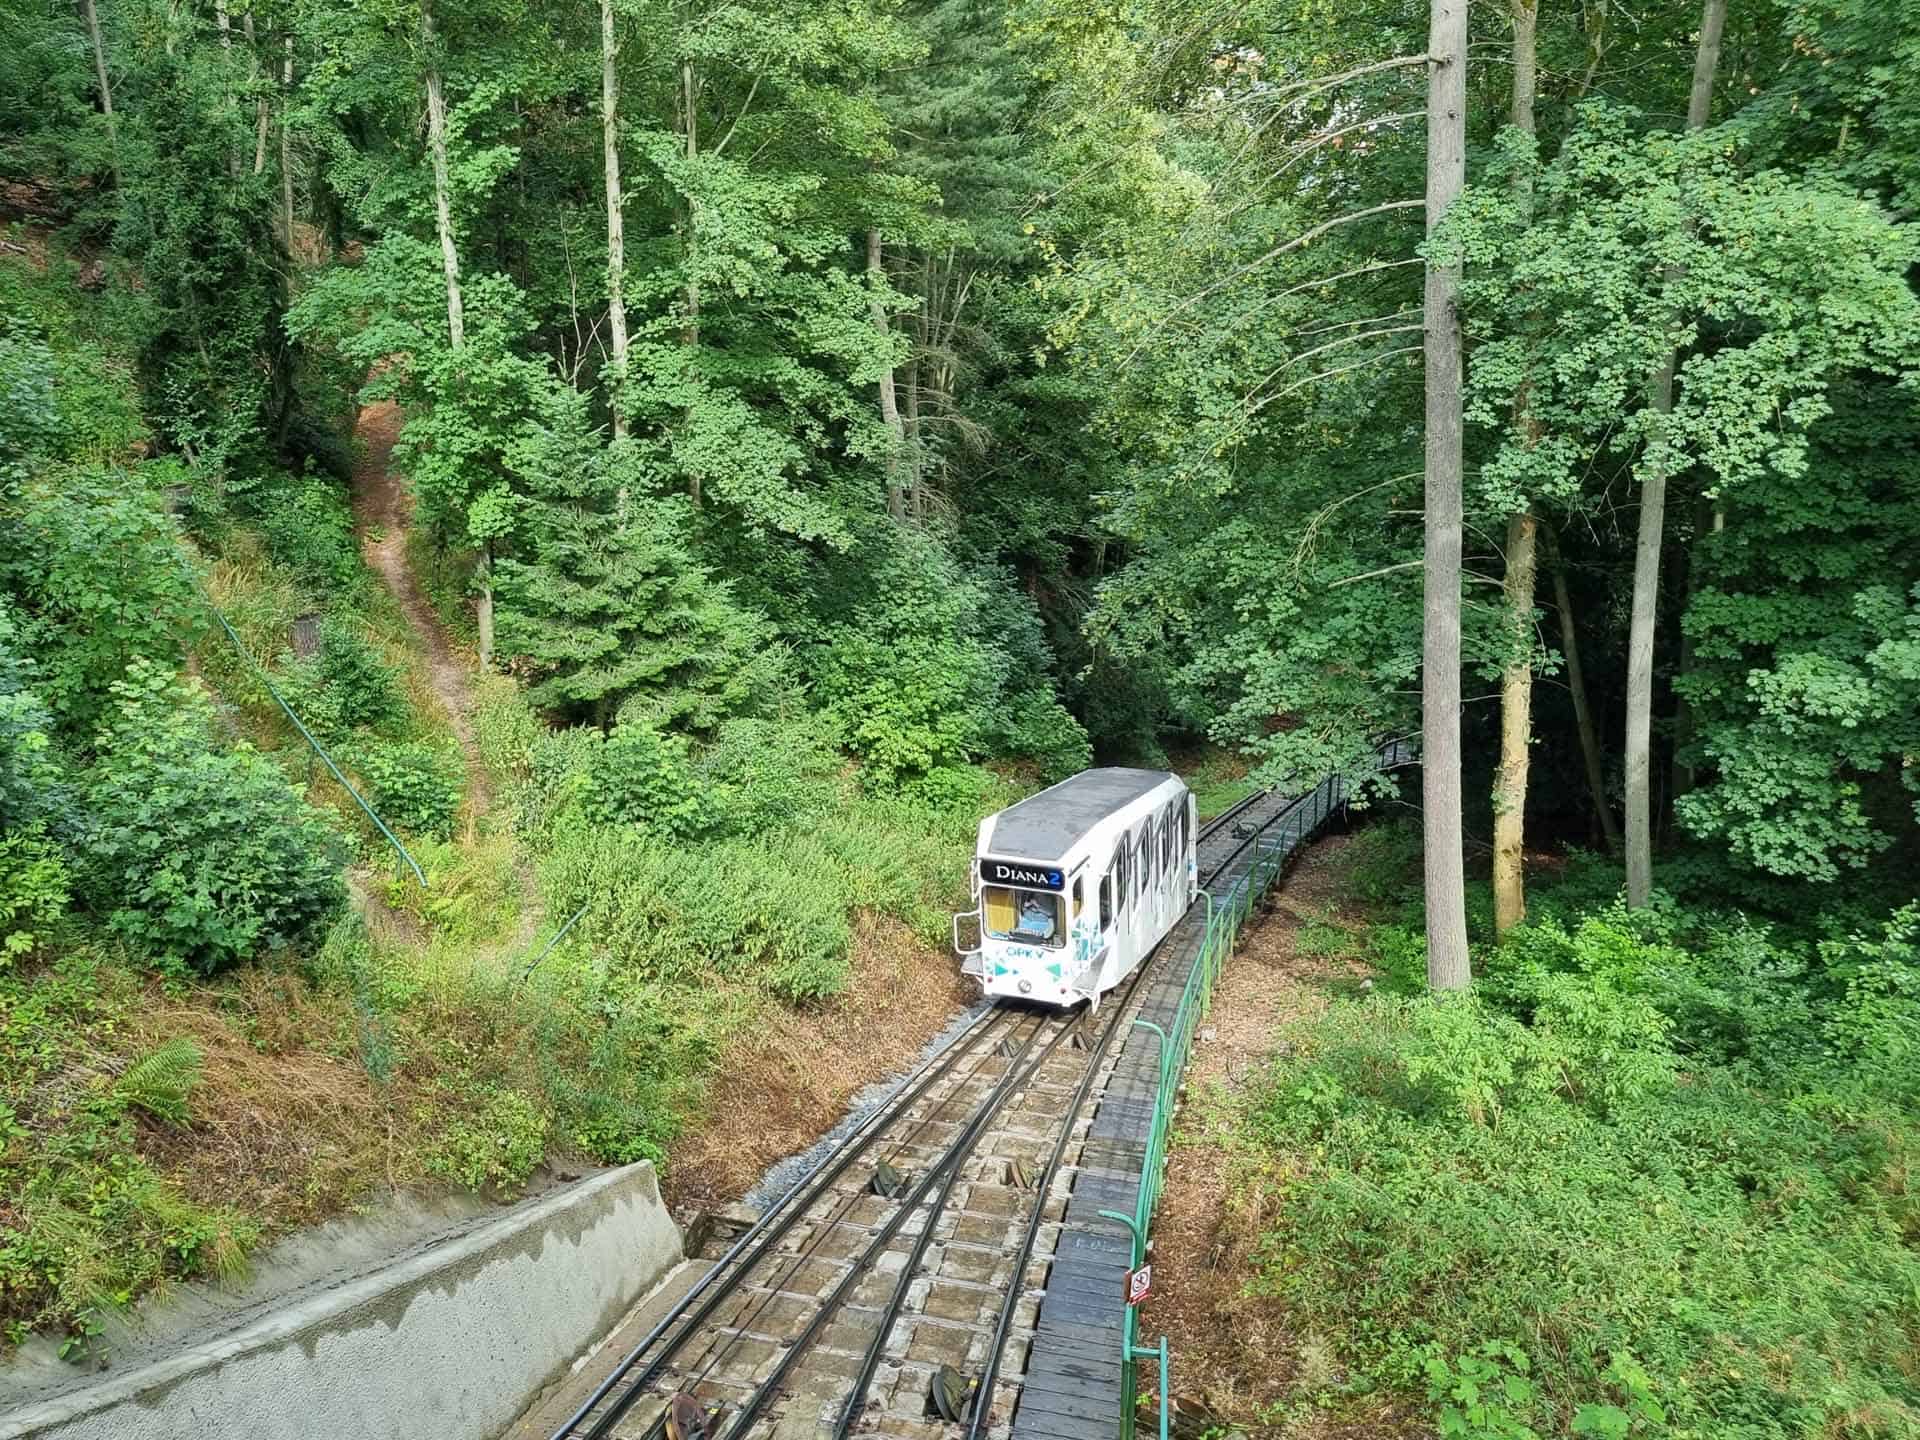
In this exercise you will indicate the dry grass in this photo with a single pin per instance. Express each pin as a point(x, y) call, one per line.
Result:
point(285, 1119)
point(778, 1088)
point(1240, 1361)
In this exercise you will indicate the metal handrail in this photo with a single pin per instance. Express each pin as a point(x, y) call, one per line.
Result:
point(1225, 913)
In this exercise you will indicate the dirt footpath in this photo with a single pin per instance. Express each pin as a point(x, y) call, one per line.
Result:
point(382, 510)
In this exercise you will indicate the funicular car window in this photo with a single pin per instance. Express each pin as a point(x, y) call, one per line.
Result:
point(1106, 901)
point(1027, 917)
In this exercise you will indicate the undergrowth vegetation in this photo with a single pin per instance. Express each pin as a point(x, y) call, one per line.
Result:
point(202, 1043)
point(1652, 1175)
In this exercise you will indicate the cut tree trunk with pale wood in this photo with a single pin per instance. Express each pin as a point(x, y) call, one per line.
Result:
point(1516, 731)
point(1448, 967)
point(442, 186)
point(261, 109)
point(286, 144)
point(1516, 679)
point(1646, 554)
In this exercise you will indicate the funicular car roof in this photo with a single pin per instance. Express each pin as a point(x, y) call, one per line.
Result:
point(1046, 826)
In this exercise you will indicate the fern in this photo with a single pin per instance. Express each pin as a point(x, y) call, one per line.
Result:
point(160, 1081)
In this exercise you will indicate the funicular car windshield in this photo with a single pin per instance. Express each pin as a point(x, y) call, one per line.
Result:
point(1027, 917)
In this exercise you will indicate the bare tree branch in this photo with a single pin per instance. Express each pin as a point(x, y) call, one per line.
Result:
point(1375, 574)
point(1310, 534)
point(1255, 409)
point(745, 105)
point(1305, 238)
point(1335, 345)
point(1349, 324)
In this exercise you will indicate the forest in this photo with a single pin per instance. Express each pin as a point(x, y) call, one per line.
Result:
point(534, 532)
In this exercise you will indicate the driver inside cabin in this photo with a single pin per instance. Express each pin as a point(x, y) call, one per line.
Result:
point(1022, 915)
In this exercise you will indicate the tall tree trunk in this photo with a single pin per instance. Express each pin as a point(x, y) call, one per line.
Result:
point(690, 298)
point(915, 486)
point(92, 17)
point(1516, 730)
point(224, 24)
point(442, 187)
point(260, 107)
point(1448, 967)
point(450, 263)
point(1516, 678)
point(616, 214)
point(1711, 518)
point(286, 145)
point(889, 400)
point(1646, 555)
point(1582, 711)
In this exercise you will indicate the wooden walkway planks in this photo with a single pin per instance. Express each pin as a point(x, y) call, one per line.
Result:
point(1072, 1386)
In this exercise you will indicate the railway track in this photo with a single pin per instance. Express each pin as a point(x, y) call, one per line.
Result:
point(905, 1257)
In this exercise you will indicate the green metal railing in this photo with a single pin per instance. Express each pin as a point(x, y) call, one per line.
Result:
point(1267, 851)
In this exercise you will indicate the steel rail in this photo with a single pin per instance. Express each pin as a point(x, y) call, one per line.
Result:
point(877, 1348)
point(723, 1345)
point(1233, 811)
point(1010, 1304)
point(1015, 1077)
point(779, 1218)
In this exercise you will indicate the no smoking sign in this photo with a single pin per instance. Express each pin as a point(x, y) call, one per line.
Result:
point(1139, 1284)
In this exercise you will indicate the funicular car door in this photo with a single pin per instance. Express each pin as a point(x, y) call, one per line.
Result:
point(1143, 866)
point(1169, 870)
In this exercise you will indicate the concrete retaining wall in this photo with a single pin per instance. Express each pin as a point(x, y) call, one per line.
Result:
point(446, 1345)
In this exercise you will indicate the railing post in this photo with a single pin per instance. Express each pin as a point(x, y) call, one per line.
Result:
point(1166, 1410)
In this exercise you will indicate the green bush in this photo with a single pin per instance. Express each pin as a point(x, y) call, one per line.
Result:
point(29, 400)
point(96, 580)
point(506, 732)
point(1037, 727)
point(951, 788)
point(761, 775)
point(904, 707)
point(644, 777)
point(309, 530)
point(33, 784)
point(412, 785)
point(200, 855)
point(1685, 1253)
point(346, 684)
point(775, 918)
point(902, 678)
point(1877, 1023)
point(492, 1146)
point(559, 780)
point(34, 889)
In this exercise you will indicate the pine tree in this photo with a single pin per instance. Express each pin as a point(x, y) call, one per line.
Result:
point(602, 608)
